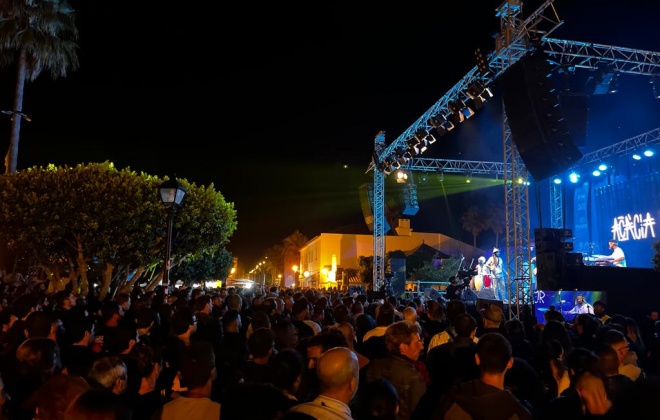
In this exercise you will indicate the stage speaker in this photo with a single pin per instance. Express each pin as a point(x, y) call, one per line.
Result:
point(549, 270)
point(534, 115)
point(575, 109)
point(367, 204)
point(485, 294)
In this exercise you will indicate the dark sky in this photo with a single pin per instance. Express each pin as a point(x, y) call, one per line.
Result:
point(271, 102)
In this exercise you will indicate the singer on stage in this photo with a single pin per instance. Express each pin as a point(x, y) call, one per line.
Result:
point(496, 267)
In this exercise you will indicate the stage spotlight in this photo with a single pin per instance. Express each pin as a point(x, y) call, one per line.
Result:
point(602, 167)
point(557, 181)
point(479, 94)
point(637, 156)
point(441, 125)
point(596, 172)
point(648, 153)
point(460, 111)
point(401, 177)
point(574, 177)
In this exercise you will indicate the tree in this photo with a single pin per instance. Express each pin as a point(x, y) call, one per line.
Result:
point(37, 36)
point(474, 221)
point(496, 222)
point(291, 251)
point(72, 222)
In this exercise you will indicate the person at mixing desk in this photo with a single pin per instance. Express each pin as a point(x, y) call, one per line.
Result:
point(617, 257)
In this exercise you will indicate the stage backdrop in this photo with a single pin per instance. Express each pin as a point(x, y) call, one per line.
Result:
point(627, 211)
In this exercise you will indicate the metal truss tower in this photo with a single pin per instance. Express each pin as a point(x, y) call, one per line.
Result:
point(517, 37)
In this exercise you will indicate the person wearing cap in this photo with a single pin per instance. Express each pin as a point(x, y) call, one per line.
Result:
point(495, 265)
point(492, 316)
point(618, 257)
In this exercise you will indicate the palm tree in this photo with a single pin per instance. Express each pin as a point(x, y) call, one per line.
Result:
point(292, 245)
point(496, 222)
point(37, 35)
point(474, 221)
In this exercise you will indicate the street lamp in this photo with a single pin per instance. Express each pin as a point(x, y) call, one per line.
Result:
point(171, 193)
point(295, 274)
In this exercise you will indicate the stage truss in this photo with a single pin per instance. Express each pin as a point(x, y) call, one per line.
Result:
point(516, 38)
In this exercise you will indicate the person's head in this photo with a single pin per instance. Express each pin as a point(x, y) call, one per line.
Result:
point(109, 373)
point(338, 372)
point(288, 366)
point(198, 366)
point(231, 321)
point(53, 397)
point(410, 314)
point(482, 260)
point(38, 324)
point(600, 308)
point(579, 299)
point(493, 315)
point(385, 314)
point(378, 400)
point(184, 321)
point(455, 308)
point(613, 244)
point(321, 342)
point(97, 404)
point(203, 304)
point(80, 330)
point(496, 252)
point(617, 340)
point(466, 325)
point(434, 310)
point(38, 357)
point(494, 353)
point(261, 342)
point(403, 338)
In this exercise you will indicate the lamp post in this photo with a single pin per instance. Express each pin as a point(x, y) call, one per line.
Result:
point(171, 193)
point(295, 274)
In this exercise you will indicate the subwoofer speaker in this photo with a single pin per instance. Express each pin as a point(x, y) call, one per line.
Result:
point(534, 115)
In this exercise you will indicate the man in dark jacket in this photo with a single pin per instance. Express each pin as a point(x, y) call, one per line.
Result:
point(404, 345)
point(485, 397)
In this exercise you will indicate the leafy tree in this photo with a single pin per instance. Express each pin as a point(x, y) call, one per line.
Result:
point(428, 271)
point(37, 36)
point(207, 265)
point(73, 221)
point(474, 221)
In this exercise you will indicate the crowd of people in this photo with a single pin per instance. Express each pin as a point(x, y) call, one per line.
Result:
point(285, 353)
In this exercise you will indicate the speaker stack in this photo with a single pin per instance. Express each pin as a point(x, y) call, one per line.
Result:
point(538, 127)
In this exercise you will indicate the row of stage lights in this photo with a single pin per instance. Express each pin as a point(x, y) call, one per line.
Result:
point(477, 94)
point(602, 168)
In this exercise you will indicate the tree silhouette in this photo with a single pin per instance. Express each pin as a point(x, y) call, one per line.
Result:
point(496, 222)
point(474, 221)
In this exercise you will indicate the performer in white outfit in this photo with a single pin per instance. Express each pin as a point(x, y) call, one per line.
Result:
point(496, 267)
point(618, 257)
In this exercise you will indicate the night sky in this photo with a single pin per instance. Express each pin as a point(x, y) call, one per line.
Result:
point(278, 105)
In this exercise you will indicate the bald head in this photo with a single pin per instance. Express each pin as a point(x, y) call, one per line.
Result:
point(338, 371)
point(410, 314)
